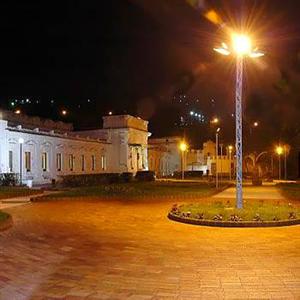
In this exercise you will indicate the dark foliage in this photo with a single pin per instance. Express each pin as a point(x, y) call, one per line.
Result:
point(8, 179)
point(90, 179)
point(145, 176)
point(126, 177)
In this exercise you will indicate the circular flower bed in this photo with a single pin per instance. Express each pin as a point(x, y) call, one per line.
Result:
point(224, 214)
point(5, 221)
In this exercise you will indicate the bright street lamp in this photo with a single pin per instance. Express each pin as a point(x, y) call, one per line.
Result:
point(241, 46)
point(183, 147)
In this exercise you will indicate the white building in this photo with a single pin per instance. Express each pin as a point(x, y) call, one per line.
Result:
point(165, 158)
point(42, 150)
point(164, 155)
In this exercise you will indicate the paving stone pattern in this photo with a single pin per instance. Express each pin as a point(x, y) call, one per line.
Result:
point(111, 250)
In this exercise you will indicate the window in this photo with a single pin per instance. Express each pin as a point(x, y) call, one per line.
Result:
point(93, 163)
point(27, 161)
point(10, 161)
point(58, 161)
point(82, 162)
point(45, 161)
point(103, 162)
point(71, 162)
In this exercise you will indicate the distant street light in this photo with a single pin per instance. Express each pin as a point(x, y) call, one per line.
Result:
point(241, 46)
point(183, 147)
point(279, 151)
point(17, 111)
point(64, 112)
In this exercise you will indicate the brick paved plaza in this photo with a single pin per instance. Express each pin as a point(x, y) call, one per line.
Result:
point(112, 250)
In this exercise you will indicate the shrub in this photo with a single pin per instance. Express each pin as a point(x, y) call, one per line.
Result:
point(145, 176)
point(8, 179)
point(188, 174)
point(126, 177)
point(90, 179)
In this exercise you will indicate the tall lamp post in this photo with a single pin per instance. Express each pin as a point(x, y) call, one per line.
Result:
point(21, 141)
point(217, 154)
point(221, 163)
point(230, 154)
point(241, 45)
point(183, 148)
point(279, 151)
point(286, 149)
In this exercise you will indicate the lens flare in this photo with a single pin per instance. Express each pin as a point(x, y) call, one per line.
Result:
point(213, 17)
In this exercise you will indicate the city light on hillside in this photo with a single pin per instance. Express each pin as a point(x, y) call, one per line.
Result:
point(64, 112)
point(17, 111)
point(255, 124)
point(215, 120)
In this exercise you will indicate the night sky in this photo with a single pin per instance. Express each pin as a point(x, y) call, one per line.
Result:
point(153, 59)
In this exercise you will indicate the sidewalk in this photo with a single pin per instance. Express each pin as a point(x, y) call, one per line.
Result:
point(253, 192)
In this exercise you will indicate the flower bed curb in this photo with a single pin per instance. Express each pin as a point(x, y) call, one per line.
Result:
point(39, 199)
point(242, 224)
point(5, 224)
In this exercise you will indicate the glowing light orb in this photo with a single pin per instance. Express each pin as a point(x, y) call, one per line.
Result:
point(215, 121)
point(183, 146)
point(241, 44)
point(279, 150)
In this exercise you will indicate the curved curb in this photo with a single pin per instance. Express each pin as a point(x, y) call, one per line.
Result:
point(39, 199)
point(242, 224)
point(5, 224)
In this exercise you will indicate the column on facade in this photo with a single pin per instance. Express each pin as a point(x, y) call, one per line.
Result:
point(3, 148)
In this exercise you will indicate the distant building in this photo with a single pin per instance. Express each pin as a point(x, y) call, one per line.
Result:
point(41, 150)
point(165, 158)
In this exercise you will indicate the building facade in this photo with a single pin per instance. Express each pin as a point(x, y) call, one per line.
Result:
point(165, 158)
point(164, 155)
point(42, 150)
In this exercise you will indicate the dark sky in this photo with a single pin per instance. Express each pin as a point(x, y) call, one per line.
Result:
point(140, 56)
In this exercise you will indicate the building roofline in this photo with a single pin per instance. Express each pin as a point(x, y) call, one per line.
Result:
point(57, 135)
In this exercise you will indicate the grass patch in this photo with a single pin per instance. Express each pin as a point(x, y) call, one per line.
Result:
point(226, 211)
point(3, 216)
point(290, 190)
point(14, 191)
point(141, 189)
